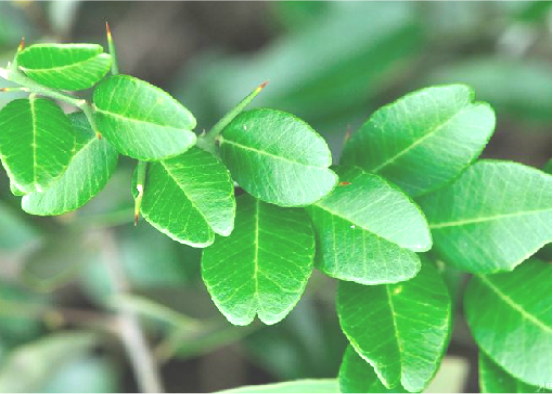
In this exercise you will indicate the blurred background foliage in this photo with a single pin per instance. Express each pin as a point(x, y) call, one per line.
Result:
point(331, 63)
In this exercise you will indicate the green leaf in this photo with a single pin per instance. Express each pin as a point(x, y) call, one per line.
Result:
point(141, 120)
point(277, 158)
point(368, 230)
point(38, 360)
point(358, 376)
point(93, 163)
point(190, 198)
point(493, 379)
point(509, 315)
point(36, 143)
point(423, 140)
point(295, 386)
point(384, 324)
point(65, 66)
point(263, 266)
point(495, 216)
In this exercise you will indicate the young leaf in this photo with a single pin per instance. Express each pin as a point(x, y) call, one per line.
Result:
point(93, 163)
point(509, 315)
point(36, 143)
point(141, 120)
point(358, 376)
point(493, 379)
point(423, 140)
point(492, 218)
point(190, 198)
point(65, 66)
point(277, 158)
point(368, 230)
point(263, 266)
point(294, 386)
point(384, 324)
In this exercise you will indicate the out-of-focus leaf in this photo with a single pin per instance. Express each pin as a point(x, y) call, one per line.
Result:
point(515, 88)
point(298, 386)
point(29, 367)
point(317, 81)
point(18, 323)
point(295, 15)
point(57, 261)
point(15, 232)
point(151, 261)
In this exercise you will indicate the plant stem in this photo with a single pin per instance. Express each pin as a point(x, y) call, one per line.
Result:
point(132, 335)
point(207, 142)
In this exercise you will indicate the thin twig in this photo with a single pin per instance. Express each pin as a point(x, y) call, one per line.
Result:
point(132, 335)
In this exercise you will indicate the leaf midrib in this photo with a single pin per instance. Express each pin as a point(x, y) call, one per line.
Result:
point(261, 152)
point(33, 144)
point(461, 223)
point(514, 305)
point(420, 140)
point(330, 211)
point(60, 68)
point(115, 115)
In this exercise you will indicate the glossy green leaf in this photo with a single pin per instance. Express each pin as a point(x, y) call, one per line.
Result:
point(368, 230)
point(141, 120)
point(423, 140)
point(36, 143)
point(509, 315)
point(295, 386)
point(190, 198)
point(493, 379)
point(93, 163)
point(37, 361)
point(496, 215)
point(384, 324)
point(358, 376)
point(65, 66)
point(263, 266)
point(277, 158)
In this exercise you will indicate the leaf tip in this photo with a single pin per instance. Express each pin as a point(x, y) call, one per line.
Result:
point(108, 32)
point(261, 87)
point(21, 44)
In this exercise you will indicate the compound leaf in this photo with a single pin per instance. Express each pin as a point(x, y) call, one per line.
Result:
point(492, 218)
point(141, 120)
point(493, 379)
point(294, 386)
point(368, 230)
point(36, 143)
point(65, 66)
point(509, 315)
point(263, 266)
point(384, 324)
point(190, 198)
point(277, 158)
point(93, 163)
point(423, 140)
point(358, 376)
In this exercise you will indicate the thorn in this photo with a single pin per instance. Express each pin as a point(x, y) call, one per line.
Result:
point(136, 217)
point(108, 32)
point(344, 183)
point(21, 44)
point(4, 89)
point(15, 89)
point(261, 87)
point(99, 135)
